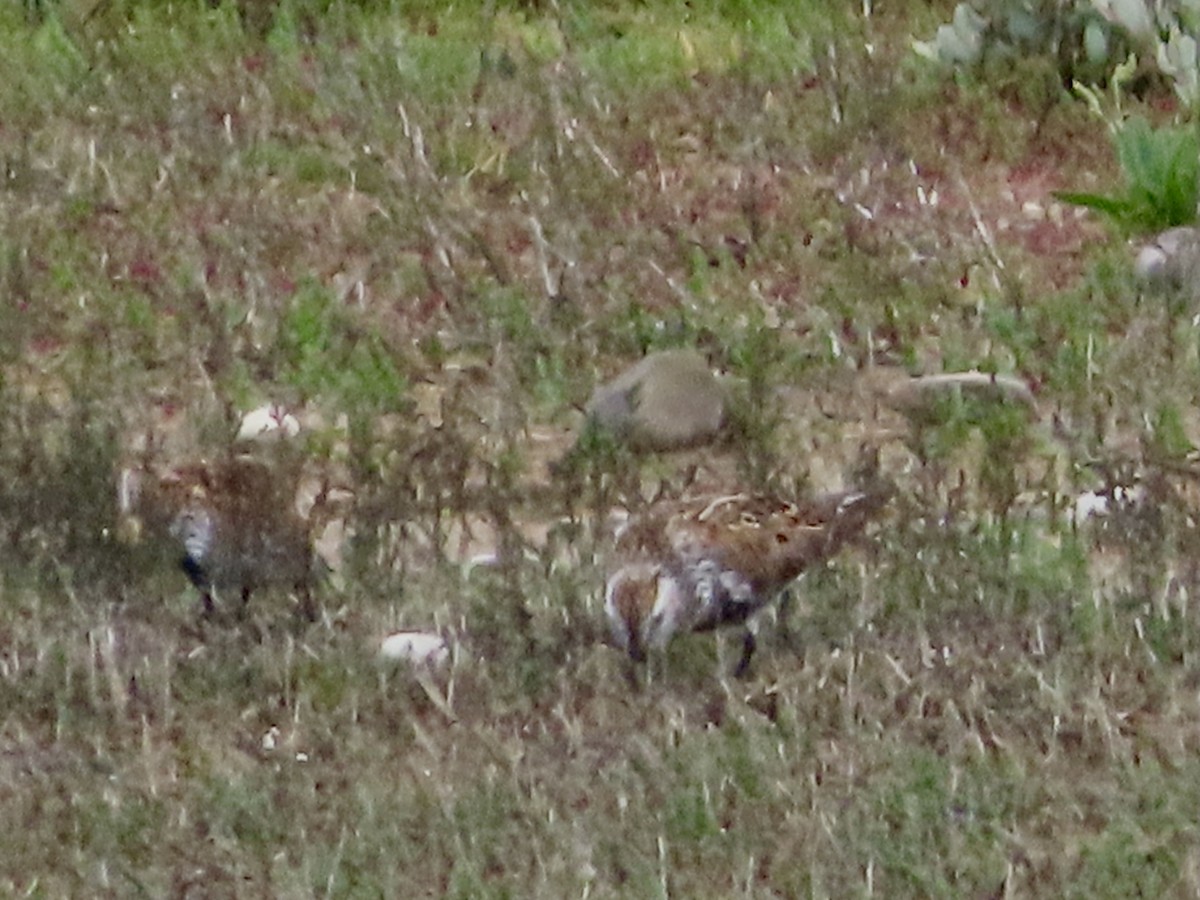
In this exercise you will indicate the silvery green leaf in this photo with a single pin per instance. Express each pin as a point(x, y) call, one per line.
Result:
point(1023, 26)
point(968, 23)
point(1095, 42)
point(1183, 49)
point(953, 48)
point(965, 38)
point(1177, 58)
point(956, 43)
point(1132, 15)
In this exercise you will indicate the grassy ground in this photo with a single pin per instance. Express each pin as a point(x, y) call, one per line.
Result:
point(436, 230)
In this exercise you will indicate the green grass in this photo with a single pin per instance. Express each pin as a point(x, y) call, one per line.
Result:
point(437, 228)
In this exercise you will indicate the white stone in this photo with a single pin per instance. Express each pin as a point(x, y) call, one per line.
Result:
point(1089, 504)
point(420, 649)
point(269, 421)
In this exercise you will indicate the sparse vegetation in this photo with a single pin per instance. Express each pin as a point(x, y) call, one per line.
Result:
point(1161, 168)
point(431, 230)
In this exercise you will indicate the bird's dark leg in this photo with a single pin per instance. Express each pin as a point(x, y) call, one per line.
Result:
point(635, 661)
point(196, 576)
point(632, 676)
point(246, 622)
point(308, 608)
point(244, 609)
point(749, 643)
point(637, 653)
point(784, 615)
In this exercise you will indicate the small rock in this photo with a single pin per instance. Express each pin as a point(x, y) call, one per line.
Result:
point(916, 395)
point(1099, 505)
point(271, 422)
point(1087, 505)
point(1171, 261)
point(420, 649)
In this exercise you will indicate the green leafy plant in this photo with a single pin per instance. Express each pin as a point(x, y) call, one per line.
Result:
point(1162, 177)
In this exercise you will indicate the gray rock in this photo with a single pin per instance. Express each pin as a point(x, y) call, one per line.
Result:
point(1171, 262)
point(670, 400)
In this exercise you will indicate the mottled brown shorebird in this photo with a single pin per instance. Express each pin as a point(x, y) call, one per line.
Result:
point(714, 561)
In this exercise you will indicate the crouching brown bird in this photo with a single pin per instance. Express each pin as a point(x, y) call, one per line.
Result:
point(709, 562)
point(235, 524)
